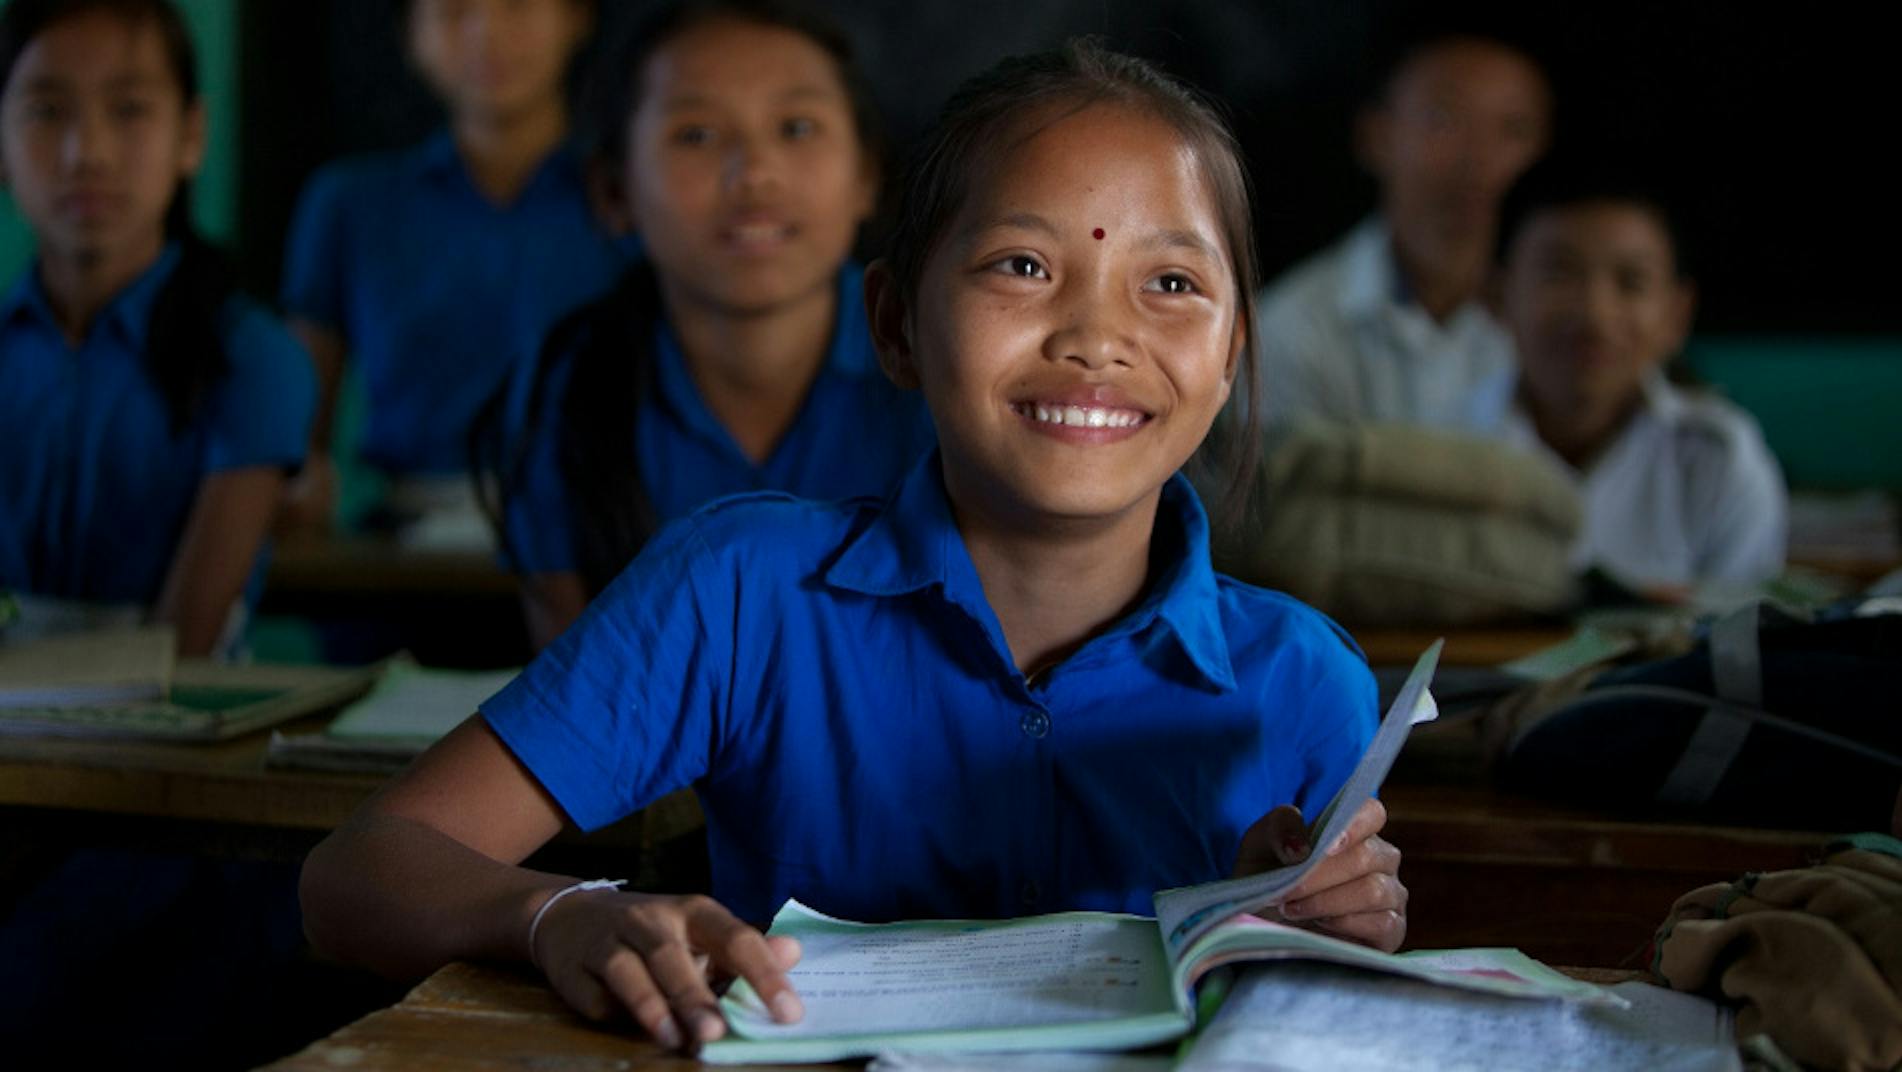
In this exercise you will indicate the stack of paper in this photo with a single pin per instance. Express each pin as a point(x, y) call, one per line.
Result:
point(85, 669)
point(407, 711)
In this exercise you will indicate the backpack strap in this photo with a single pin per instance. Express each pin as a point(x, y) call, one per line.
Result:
point(1737, 679)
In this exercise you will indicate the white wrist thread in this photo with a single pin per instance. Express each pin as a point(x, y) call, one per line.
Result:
point(535, 924)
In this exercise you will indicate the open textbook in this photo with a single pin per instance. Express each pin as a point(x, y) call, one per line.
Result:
point(1085, 980)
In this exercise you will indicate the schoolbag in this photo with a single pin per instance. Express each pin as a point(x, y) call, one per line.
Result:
point(1774, 717)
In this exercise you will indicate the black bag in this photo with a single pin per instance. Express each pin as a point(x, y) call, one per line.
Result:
point(1774, 718)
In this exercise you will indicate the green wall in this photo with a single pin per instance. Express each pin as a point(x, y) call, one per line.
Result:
point(1830, 406)
point(214, 26)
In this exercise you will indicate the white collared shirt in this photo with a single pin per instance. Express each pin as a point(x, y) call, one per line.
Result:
point(1686, 493)
point(1340, 341)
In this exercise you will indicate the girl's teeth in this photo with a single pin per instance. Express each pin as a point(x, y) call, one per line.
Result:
point(1081, 417)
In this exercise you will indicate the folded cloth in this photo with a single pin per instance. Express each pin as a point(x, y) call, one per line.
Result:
point(1395, 525)
point(1813, 956)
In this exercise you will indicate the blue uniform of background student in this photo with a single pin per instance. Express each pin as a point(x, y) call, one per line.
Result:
point(150, 413)
point(735, 356)
point(1015, 685)
point(437, 270)
point(854, 434)
point(148, 417)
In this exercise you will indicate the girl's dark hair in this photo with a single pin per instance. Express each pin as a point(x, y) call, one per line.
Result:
point(184, 348)
point(610, 343)
point(993, 109)
point(1573, 178)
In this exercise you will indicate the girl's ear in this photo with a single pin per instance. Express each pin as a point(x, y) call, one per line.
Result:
point(192, 140)
point(1373, 136)
point(609, 200)
point(871, 176)
point(1237, 347)
point(891, 330)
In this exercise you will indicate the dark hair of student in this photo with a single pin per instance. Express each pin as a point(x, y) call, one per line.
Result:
point(998, 107)
point(1572, 179)
point(611, 342)
point(184, 349)
point(1407, 40)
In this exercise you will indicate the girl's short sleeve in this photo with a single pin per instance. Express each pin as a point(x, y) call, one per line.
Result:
point(263, 410)
point(314, 251)
point(626, 706)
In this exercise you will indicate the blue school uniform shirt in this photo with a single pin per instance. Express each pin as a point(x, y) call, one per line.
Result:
point(94, 487)
point(832, 682)
point(855, 434)
point(441, 296)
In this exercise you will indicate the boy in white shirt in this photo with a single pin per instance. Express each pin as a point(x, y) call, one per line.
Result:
point(1389, 325)
point(1679, 488)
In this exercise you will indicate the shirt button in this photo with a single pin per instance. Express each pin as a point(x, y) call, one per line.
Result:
point(1035, 724)
point(1031, 893)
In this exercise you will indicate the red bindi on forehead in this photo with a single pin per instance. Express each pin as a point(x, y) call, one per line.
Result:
point(1097, 234)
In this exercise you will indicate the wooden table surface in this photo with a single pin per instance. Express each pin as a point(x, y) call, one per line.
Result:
point(1566, 885)
point(470, 1016)
point(221, 782)
point(364, 565)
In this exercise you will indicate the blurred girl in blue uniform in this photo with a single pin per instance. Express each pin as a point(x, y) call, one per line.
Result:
point(739, 141)
point(150, 413)
point(436, 270)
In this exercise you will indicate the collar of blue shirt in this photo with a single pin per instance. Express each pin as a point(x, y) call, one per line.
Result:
point(128, 315)
point(914, 544)
point(437, 159)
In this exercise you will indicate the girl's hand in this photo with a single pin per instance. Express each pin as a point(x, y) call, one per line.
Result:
point(1355, 892)
point(655, 957)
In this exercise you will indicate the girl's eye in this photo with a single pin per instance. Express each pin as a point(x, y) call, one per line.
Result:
point(1172, 283)
point(693, 136)
point(798, 129)
point(131, 110)
point(1022, 266)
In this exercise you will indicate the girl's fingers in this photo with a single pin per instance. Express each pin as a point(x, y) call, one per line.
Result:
point(1369, 819)
point(1361, 858)
point(1374, 891)
point(625, 976)
point(735, 947)
point(1383, 930)
point(584, 994)
point(684, 984)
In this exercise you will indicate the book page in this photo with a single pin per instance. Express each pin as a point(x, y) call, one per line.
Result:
point(1320, 1018)
point(1189, 912)
point(1008, 984)
point(88, 669)
point(1504, 972)
point(417, 705)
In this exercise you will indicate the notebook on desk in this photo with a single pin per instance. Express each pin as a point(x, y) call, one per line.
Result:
point(112, 666)
point(408, 710)
point(206, 701)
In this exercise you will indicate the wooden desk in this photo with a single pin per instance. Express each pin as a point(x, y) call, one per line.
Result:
point(369, 598)
point(364, 566)
point(471, 1017)
point(1566, 885)
point(221, 782)
point(224, 799)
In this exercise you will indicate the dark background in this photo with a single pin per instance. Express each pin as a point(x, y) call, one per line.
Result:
point(1766, 126)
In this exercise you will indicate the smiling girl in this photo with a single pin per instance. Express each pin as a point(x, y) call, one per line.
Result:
point(738, 140)
point(1013, 686)
point(150, 413)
